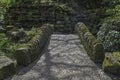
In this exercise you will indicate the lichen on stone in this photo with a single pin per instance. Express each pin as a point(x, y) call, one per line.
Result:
point(111, 63)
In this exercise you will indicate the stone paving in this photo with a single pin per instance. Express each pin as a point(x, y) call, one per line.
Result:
point(64, 59)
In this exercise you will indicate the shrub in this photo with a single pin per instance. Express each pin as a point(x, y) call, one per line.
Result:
point(109, 34)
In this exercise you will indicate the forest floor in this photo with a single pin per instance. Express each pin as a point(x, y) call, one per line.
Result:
point(63, 59)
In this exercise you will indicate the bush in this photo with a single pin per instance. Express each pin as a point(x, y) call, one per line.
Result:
point(7, 47)
point(109, 34)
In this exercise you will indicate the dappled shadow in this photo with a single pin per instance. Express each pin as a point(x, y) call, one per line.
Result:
point(47, 72)
point(63, 59)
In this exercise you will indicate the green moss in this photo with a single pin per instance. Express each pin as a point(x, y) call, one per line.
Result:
point(93, 46)
point(32, 49)
point(111, 63)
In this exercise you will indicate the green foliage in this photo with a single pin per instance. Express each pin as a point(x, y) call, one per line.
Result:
point(12, 49)
point(4, 5)
point(32, 31)
point(7, 47)
point(4, 42)
point(109, 33)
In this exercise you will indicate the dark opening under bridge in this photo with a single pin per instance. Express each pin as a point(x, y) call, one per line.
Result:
point(63, 59)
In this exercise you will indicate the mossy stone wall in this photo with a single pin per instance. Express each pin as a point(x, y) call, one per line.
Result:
point(29, 15)
point(93, 46)
point(31, 50)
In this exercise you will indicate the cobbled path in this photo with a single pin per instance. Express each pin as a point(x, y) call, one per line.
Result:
point(64, 59)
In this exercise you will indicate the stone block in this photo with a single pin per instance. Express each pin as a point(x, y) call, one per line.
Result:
point(93, 46)
point(7, 67)
point(111, 63)
point(23, 56)
point(98, 52)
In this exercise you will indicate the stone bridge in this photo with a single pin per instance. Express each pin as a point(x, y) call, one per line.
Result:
point(63, 59)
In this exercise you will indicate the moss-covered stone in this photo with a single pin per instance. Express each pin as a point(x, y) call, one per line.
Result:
point(31, 50)
point(23, 57)
point(98, 52)
point(7, 67)
point(111, 63)
point(93, 46)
